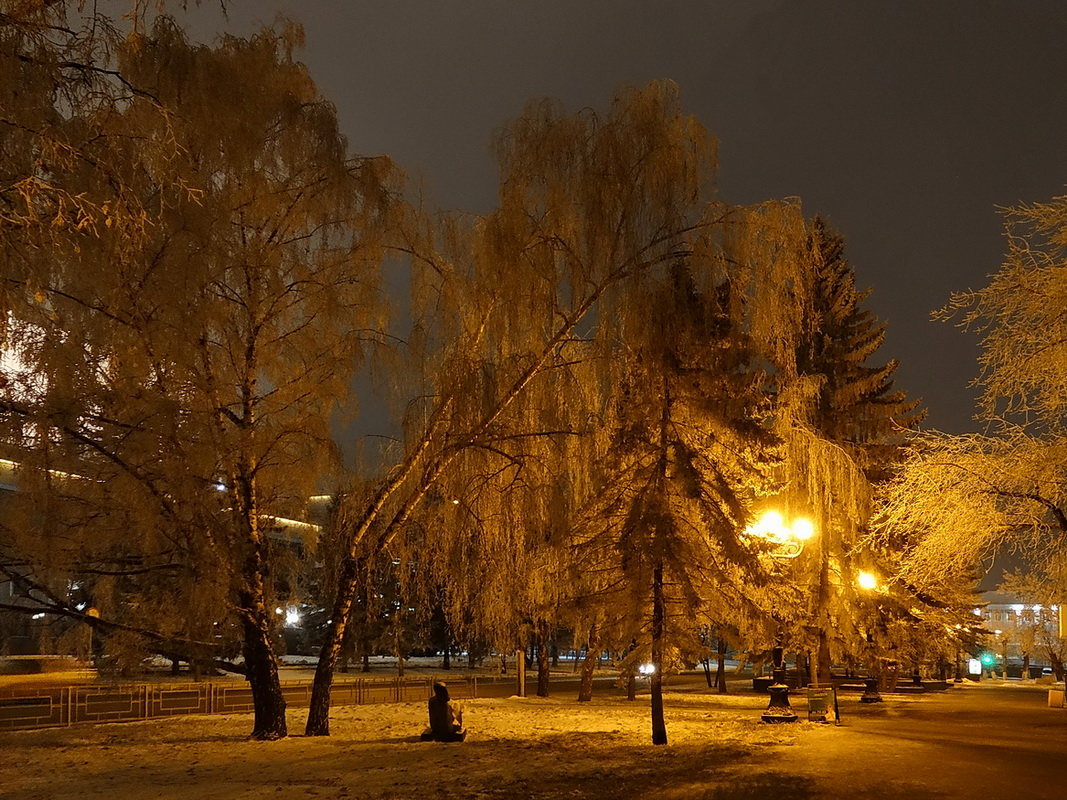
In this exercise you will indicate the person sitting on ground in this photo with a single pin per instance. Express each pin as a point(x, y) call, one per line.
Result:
point(446, 717)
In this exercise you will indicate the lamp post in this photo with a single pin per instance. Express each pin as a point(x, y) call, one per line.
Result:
point(869, 582)
point(94, 613)
point(787, 542)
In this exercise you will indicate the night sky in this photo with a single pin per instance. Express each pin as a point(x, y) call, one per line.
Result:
point(904, 123)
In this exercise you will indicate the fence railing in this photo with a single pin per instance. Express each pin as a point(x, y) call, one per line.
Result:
point(50, 706)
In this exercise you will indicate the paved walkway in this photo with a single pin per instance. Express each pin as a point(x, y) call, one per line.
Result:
point(979, 742)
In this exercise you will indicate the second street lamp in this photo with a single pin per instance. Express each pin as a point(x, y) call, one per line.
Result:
point(869, 582)
point(787, 541)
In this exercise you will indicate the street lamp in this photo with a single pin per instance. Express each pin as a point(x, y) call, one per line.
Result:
point(869, 582)
point(787, 541)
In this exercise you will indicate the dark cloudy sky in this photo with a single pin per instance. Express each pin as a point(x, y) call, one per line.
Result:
point(904, 122)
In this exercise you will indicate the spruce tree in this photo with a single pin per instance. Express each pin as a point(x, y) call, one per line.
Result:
point(846, 434)
point(856, 404)
point(690, 452)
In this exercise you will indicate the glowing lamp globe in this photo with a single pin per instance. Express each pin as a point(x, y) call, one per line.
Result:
point(803, 529)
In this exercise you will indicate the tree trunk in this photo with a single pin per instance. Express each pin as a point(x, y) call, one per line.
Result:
point(398, 648)
point(706, 664)
point(585, 687)
point(720, 675)
point(1057, 664)
point(350, 644)
point(631, 686)
point(822, 674)
point(261, 663)
point(659, 726)
point(542, 659)
point(356, 640)
point(262, 671)
point(821, 671)
point(318, 722)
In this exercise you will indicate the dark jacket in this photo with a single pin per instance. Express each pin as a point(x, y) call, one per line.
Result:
point(446, 716)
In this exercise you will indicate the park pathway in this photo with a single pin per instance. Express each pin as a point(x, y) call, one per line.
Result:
point(973, 742)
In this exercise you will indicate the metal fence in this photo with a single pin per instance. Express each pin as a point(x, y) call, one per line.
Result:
point(50, 706)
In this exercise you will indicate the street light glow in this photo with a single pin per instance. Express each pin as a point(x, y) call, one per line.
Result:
point(867, 580)
point(771, 525)
point(803, 529)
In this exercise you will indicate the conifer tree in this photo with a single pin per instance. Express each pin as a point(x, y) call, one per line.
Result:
point(856, 404)
point(690, 454)
point(845, 427)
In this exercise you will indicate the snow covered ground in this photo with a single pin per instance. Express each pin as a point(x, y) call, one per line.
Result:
point(517, 748)
point(992, 740)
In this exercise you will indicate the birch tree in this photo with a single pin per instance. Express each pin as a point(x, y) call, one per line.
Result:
point(192, 345)
point(587, 203)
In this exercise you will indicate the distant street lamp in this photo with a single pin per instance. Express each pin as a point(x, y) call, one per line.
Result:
point(94, 613)
point(787, 542)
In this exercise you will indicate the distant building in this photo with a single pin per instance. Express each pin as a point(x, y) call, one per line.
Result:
point(26, 632)
point(1020, 633)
